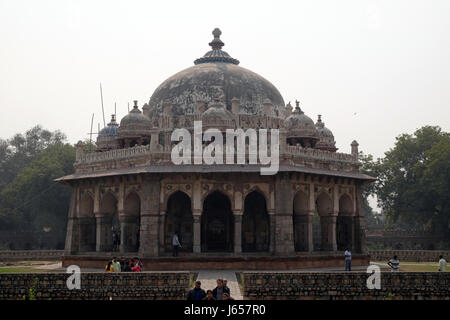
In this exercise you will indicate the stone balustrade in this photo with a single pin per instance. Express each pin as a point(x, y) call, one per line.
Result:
point(97, 286)
point(345, 286)
point(139, 151)
point(18, 255)
point(409, 255)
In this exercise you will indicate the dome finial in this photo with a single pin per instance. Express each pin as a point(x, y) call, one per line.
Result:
point(135, 104)
point(216, 44)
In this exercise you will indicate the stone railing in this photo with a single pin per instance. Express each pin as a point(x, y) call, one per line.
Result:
point(409, 255)
point(139, 151)
point(18, 255)
point(97, 286)
point(345, 286)
point(113, 154)
point(319, 154)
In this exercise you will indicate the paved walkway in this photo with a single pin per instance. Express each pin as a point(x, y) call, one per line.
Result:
point(209, 277)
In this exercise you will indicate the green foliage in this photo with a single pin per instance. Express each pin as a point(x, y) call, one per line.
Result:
point(29, 198)
point(413, 180)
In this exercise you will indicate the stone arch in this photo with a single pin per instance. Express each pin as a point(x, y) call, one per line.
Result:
point(345, 224)
point(108, 205)
point(179, 219)
point(130, 223)
point(86, 221)
point(217, 223)
point(255, 223)
point(168, 194)
point(301, 221)
point(324, 204)
point(258, 189)
point(105, 228)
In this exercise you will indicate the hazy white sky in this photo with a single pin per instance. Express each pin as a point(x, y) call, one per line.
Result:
point(373, 69)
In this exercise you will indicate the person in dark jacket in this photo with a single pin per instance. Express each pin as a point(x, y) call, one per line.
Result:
point(220, 290)
point(197, 293)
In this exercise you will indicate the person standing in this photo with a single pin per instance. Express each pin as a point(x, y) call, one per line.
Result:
point(176, 244)
point(348, 260)
point(394, 264)
point(219, 290)
point(197, 293)
point(442, 264)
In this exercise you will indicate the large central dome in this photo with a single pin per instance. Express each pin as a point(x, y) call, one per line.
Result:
point(214, 75)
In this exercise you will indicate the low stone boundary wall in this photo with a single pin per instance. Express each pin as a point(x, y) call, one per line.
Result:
point(409, 255)
point(96, 286)
point(201, 262)
point(345, 286)
point(17, 255)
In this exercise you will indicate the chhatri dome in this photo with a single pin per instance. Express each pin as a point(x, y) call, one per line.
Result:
point(216, 74)
point(300, 129)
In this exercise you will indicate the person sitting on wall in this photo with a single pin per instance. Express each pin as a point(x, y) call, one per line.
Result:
point(116, 265)
point(127, 266)
point(136, 267)
point(109, 267)
point(197, 293)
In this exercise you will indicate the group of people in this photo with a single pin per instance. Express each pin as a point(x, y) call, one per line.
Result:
point(221, 292)
point(394, 263)
point(124, 265)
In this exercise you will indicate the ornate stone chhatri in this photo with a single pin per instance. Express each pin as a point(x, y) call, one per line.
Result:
point(129, 197)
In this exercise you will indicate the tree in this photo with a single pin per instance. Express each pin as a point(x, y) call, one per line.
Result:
point(413, 180)
point(34, 198)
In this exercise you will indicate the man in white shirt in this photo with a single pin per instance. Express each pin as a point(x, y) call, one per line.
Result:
point(394, 264)
point(176, 243)
point(442, 264)
point(348, 260)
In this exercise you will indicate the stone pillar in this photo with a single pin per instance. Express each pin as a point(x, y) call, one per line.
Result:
point(150, 216)
point(162, 231)
point(272, 232)
point(72, 234)
point(304, 232)
point(359, 224)
point(237, 232)
point(103, 239)
point(284, 229)
point(128, 233)
point(197, 232)
point(328, 228)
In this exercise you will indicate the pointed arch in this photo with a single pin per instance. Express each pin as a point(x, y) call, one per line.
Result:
point(179, 219)
point(255, 223)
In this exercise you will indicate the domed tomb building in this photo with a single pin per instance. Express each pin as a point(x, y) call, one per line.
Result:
point(129, 197)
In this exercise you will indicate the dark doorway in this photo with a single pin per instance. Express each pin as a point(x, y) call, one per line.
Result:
point(255, 224)
point(217, 223)
point(179, 219)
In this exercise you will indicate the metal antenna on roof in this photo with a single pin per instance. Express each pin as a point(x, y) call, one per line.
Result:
point(90, 132)
point(103, 110)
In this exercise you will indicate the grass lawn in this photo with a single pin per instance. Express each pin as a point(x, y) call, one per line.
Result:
point(21, 269)
point(413, 266)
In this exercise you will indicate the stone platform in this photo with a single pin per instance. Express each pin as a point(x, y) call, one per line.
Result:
point(222, 262)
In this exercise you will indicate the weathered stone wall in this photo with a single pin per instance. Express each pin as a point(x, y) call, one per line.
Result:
point(97, 286)
point(409, 255)
point(345, 286)
point(18, 255)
